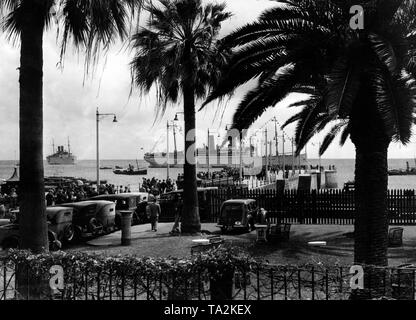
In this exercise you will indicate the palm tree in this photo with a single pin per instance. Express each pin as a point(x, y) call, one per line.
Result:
point(92, 25)
point(360, 83)
point(177, 52)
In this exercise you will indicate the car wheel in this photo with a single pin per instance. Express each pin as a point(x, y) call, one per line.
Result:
point(95, 226)
point(69, 234)
point(77, 234)
point(10, 243)
point(55, 245)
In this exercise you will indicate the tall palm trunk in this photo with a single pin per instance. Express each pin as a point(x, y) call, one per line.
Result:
point(371, 178)
point(190, 215)
point(371, 217)
point(371, 183)
point(32, 219)
point(371, 221)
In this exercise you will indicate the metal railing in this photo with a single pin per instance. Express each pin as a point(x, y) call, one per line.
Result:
point(253, 281)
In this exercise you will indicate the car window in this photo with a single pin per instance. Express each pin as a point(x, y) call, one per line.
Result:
point(231, 209)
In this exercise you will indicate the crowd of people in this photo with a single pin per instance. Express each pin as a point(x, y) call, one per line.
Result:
point(157, 186)
point(223, 173)
point(8, 198)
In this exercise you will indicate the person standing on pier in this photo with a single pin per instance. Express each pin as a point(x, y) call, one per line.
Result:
point(153, 211)
point(178, 213)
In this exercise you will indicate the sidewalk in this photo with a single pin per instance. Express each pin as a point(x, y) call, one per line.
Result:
point(143, 231)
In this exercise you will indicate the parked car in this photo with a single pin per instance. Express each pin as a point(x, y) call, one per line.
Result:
point(169, 200)
point(133, 201)
point(92, 217)
point(238, 214)
point(60, 229)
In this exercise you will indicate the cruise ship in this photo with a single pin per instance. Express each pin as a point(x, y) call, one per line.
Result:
point(61, 156)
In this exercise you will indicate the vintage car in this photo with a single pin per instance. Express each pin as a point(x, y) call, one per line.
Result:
point(133, 201)
point(60, 229)
point(92, 217)
point(238, 214)
point(168, 202)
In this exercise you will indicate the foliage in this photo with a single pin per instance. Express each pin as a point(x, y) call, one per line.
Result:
point(91, 25)
point(307, 46)
point(221, 260)
point(178, 46)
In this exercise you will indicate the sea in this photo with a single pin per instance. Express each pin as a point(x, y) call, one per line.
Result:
point(87, 169)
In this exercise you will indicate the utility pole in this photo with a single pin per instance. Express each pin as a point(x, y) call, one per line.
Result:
point(208, 151)
point(283, 154)
point(293, 157)
point(241, 157)
point(97, 116)
point(270, 147)
point(167, 149)
point(266, 154)
point(276, 140)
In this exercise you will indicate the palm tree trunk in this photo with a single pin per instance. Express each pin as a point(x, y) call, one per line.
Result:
point(371, 217)
point(32, 219)
point(190, 215)
point(371, 221)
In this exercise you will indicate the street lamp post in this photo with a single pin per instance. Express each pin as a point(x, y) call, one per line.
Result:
point(97, 118)
point(170, 125)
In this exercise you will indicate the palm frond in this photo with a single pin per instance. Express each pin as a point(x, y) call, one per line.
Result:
point(161, 58)
point(384, 51)
point(343, 85)
point(266, 94)
point(330, 137)
point(345, 135)
point(395, 100)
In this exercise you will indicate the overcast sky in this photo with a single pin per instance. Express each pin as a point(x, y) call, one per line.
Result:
point(70, 104)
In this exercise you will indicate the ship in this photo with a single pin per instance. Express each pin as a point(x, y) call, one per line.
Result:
point(131, 171)
point(223, 156)
point(403, 172)
point(61, 156)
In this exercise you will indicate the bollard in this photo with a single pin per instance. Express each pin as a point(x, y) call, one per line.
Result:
point(126, 227)
point(331, 179)
point(280, 186)
point(304, 182)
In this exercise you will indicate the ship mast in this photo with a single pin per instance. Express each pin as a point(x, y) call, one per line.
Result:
point(53, 146)
point(69, 147)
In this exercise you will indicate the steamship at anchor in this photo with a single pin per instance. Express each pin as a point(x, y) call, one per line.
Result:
point(61, 156)
point(215, 156)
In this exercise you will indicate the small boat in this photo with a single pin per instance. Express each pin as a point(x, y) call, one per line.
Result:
point(131, 171)
point(118, 167)
point(403, 172)
point(106, 168)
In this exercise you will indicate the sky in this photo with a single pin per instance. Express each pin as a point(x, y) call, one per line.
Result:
point(70, 104)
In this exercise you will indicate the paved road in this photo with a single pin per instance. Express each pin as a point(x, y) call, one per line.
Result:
point(144, 231)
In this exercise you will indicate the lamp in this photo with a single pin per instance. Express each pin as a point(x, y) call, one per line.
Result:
point(97, 118)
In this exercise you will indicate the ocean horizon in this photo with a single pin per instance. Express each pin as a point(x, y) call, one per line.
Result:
point(87, 169)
